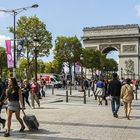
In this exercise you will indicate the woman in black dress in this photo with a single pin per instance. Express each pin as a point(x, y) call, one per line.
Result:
point(15, 103)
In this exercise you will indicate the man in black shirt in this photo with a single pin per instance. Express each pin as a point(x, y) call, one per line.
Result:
point(114, 90)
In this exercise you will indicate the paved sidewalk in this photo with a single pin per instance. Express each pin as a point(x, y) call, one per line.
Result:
point(77, 121)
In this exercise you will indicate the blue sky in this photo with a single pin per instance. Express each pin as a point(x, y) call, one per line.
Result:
point(69, 17)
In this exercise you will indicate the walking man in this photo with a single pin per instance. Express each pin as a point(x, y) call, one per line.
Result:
point(114, 90)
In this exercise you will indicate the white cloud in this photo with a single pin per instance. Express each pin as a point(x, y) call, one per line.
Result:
point(1, 13)
point(137, 7)
point(2, 40)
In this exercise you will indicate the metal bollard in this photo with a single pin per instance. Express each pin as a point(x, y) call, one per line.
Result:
point(84, 96)
point(66, 96)
point(53, 90)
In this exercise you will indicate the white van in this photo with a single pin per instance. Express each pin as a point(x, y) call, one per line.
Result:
point(51, 80)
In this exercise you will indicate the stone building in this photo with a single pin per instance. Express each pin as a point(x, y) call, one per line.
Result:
point(123, 38)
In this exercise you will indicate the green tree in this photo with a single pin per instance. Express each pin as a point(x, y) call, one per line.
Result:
point(67, 49)
point(29, 28)
point(41, 66)
point(48, 66)
point(21, 71)
point(3, 61)
point(92, 59)
point(53, 67)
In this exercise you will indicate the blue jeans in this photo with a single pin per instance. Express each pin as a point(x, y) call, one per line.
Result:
point(115, 104)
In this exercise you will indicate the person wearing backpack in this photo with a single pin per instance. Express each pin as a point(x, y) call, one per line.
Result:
point(127, 96)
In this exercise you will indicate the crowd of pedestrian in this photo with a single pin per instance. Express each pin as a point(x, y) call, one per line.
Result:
point(120, 92)
point(15, 94)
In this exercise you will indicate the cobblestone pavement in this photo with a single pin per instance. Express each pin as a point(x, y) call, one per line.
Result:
point(77, 121)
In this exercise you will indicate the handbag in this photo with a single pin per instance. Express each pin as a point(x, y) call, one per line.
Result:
point(108, 98)
point(99, 92)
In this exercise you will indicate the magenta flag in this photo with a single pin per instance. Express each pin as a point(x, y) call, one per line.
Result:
point(77, 67)
point(9, 54)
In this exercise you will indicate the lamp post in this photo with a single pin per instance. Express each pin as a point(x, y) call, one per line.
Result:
point(14, 13)
point(81, 59)
point(36, 41)
point(70, 71)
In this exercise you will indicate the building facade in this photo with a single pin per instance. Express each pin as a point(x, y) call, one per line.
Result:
point(123, 38)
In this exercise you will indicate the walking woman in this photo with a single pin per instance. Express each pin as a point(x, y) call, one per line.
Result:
point(100, 90)
point(34, 93)
point(127, 97)
point(14, 96)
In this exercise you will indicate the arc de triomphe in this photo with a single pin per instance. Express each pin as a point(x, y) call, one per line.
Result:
point(123, 38)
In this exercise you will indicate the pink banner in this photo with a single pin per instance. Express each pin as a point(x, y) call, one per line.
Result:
point(9, 54)
point(77, 67)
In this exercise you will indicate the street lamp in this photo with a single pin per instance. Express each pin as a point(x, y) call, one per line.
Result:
point(36, 41)
point(81, 59)
point(14, 13)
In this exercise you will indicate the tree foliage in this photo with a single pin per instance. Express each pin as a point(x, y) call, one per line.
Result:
point(92, 58)
point(53, 67)
point(67, 49)
point(29, 28)
point(3, 60)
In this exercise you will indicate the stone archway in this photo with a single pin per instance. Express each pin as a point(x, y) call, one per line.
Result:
point(123, 38)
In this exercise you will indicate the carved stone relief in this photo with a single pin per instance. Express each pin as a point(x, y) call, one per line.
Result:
point(129, 48)
point(104, 46)
point(92, 47)
point(109, 40)
point(110, 32)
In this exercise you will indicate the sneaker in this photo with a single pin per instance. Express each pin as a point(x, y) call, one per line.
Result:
point(115, 115)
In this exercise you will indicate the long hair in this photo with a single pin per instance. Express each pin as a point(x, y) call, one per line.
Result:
point(14, 84)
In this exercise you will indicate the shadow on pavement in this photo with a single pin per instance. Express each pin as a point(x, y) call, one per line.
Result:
point(131, 117)
point(41, 134)
point(93, 125)
point(46, 108)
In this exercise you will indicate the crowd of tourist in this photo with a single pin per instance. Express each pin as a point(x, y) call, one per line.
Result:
point(119, 91)
point(16, 94)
